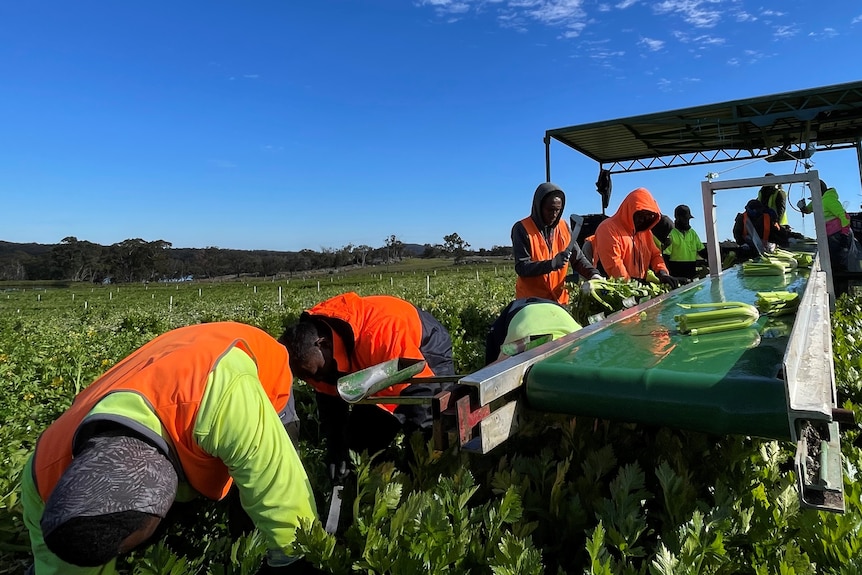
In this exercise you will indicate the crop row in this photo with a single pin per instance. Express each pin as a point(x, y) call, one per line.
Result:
point(566, 495)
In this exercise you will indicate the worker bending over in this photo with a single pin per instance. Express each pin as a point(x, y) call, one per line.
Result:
point(188, 414)
point(349, 333)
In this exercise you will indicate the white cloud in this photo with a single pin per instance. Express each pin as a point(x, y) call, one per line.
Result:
point(698, 13)
point(857, 19)
point(825, 33)
point(517, 14)
point(651, 44)
point(447, 5)
point(784, 32)
point(251, 76)
point(571, 19)
point(556, 12)
point(751, 56)
point(709, 40)
point(703, 40)
point(598, 50)
point(448, 9)
point(679, 84)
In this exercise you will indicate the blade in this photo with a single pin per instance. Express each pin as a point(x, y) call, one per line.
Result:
point(334, 510)
point(755, 237)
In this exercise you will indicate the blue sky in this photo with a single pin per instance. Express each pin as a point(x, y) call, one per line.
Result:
point(287, 125)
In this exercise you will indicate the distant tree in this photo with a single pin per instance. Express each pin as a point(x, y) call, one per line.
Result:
point(360, 253)
point(455, 246)
point(505, 251)
point(182, 263)
point(432, 251)
point(209, 262)
point(238, 261)
point(344, 256)
point(137, 260)
point(270, 265)
point(14, 268)
point(394, 248)
point(77, 260)
point(39, 267)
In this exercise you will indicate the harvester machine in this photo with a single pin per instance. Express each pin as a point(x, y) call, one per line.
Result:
point(773, 380)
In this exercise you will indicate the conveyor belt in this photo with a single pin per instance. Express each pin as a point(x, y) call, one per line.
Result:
point(642, 369)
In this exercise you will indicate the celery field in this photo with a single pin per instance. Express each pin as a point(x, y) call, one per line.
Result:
point(566, 495)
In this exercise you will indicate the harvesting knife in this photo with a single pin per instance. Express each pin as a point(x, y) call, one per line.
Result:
point(755, 238)
point(334, 509)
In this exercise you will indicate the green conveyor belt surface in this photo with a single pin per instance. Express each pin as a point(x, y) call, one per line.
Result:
point(642, 369)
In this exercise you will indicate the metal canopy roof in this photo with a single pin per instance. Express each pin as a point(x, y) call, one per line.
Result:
point(784, 126)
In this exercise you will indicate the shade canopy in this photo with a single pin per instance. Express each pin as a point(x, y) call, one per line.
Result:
point(788, 126)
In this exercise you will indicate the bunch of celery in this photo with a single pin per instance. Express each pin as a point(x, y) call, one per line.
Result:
point(603, 297)
point(801, 259)
point(804, 259)
point(766, 266)
point(783, 256)
point(723, 316)
point(777, 303)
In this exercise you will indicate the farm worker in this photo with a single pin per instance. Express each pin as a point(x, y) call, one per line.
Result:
point(192, 412)
point(543, 247)
point(526, 319)
point(624, 242)
point(765, 223)
point(348, 333)
point(774, 198)
point(684, 245)
point(838, 231)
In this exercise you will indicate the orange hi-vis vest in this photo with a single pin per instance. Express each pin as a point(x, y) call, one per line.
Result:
point(766, 226)
point(383, 327)
point(170, 373)
point(552, 285)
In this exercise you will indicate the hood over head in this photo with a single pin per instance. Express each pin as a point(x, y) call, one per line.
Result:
point(637, 199)
point(541, 193)
point(754, 206)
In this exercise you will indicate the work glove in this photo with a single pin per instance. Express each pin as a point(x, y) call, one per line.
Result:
point(338, 471)
point(673, 281)
point(587, 287)
point(560, 260)
point(337, 462)
point(802, 205)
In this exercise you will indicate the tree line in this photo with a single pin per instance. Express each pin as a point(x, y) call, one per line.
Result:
point(137, 260)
